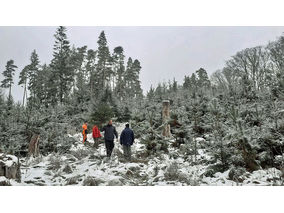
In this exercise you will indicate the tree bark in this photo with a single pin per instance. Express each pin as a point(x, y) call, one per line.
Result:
point(24, 96)
point(166, 116)
point(34, 146)
point(10, 90)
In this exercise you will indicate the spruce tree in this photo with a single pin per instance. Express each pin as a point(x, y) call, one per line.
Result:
point(175, 86)
point(62, 76)
point(51, 87)
point(33, 69)
point(42, 84)
point(151, 93)
point(159, 92)
point(186, 82)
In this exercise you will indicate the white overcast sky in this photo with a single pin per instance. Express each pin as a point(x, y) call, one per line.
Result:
point(164, 52)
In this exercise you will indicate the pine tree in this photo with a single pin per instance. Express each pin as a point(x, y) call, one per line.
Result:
point(81, 79)
point(136, 84)
point(103, 66)
point(91, 69)
point(119, 70)
point(8, 74)
point(62, 76)
point(23, 78)
point(131, 77)
point(2, 106)
point(193, 84)
point(128, 77)
point(203, 80)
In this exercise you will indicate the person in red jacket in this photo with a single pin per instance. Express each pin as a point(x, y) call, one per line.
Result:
point(96, 135)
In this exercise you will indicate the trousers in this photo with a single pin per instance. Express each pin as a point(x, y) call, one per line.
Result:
point(127, 152)
point(109, 147)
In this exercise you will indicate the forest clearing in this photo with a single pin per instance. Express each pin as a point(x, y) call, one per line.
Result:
point(226, 128)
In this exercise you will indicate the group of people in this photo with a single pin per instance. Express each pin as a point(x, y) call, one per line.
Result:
point(110, 133)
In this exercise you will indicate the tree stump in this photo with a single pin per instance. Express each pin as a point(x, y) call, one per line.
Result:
point(34, 146)
point(10, 167)
point(166, 117)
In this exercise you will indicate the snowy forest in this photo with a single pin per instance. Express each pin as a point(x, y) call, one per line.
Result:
point(224, 129)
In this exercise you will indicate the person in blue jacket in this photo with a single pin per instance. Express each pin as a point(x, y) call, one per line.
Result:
point(126, 140)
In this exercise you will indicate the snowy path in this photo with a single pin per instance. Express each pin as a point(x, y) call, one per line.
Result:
point(86, 165)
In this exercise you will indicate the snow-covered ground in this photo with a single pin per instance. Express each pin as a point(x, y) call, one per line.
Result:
point(8, 160)
point(86, 165)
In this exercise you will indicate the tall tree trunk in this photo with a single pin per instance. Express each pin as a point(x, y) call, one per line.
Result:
point(61, 92)
point(166, 116)
point(92, 88)
point(10, 91)
point(113, 83)
point(104, 75)
point(24, 96)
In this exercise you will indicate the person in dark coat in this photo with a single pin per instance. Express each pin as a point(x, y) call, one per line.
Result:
point(110, 133)
point(127, 140)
